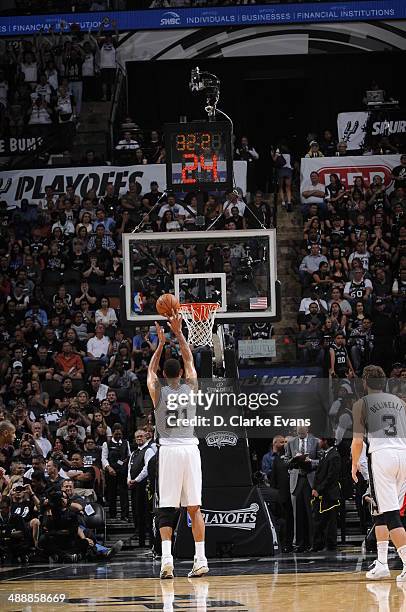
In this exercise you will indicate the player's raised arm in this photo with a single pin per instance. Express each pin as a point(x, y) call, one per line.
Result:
point(152, 378)
point(175, 323)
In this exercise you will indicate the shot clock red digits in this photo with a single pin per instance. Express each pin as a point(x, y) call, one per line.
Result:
point(194, 166)
point(198, 156)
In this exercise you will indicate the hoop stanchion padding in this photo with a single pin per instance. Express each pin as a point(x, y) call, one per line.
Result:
point(199, 320)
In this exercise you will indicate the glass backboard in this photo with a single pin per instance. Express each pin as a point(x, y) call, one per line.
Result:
point(237, 269)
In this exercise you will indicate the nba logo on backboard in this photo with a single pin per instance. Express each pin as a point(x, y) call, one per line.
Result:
point(137, 302)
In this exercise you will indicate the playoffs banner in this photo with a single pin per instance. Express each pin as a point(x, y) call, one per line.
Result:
point(365, 129)
point(347, 168)
point(237, 522)
point(30, 184)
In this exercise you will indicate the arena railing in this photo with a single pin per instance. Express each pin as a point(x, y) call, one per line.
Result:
point(119, 105)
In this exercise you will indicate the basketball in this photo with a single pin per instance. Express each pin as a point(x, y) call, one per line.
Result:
point(166, 303)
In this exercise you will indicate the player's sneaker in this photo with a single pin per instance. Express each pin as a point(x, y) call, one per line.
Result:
point(199, 568)
point(378, 571)
point(166, 567)
point(402, 576)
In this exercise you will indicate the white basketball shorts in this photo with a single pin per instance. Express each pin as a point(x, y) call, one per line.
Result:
point(388, 472)
point(179, 476)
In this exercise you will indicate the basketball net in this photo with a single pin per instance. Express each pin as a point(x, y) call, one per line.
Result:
point(199, 320)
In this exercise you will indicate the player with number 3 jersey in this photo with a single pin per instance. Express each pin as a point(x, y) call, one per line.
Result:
point(381, 418)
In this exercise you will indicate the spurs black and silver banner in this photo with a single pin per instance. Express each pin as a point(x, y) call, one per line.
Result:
point(364, 130)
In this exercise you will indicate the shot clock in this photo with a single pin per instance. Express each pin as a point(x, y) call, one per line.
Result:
point(198, 156)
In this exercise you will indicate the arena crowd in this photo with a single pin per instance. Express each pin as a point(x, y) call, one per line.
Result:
point(73, 381)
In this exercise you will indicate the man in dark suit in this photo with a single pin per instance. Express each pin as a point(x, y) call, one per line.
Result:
point(302, 456)
point(137, 482)
point(278, 479)
point(326, 497)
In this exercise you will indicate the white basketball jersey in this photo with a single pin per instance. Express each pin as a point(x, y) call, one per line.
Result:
point(385, 421)
point(172, 422)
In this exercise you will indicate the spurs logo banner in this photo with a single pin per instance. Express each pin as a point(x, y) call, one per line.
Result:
point(351, 129)
point(30, 184)
point(347, 168)
point(366, 129)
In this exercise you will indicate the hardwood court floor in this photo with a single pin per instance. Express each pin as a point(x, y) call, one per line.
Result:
point(290, 588)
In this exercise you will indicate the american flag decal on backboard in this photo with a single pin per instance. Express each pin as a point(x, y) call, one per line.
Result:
point(258, 303)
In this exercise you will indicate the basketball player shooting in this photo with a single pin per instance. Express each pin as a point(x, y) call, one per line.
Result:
point(179, 466)
point(381, 417)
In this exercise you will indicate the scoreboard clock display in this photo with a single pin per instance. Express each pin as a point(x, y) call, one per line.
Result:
point(198, 156)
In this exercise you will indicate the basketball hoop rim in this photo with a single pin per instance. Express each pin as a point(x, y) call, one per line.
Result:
point(201, 311)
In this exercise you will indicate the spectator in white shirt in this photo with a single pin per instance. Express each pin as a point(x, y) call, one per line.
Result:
point(313, 192)
point(65, 225)
point(127, 143)
point(40, 112)
point(233, 200)
point(360, 253)
point(52, 75)
point(108, 59)
point(105, 314)
point(44, 89)
point(98, 346)
point(179, 213)
point(42, 442)
point(305, 303)
point(29, 68)
point(65, 105)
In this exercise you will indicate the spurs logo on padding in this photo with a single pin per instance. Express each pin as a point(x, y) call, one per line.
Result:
point(221, 438)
